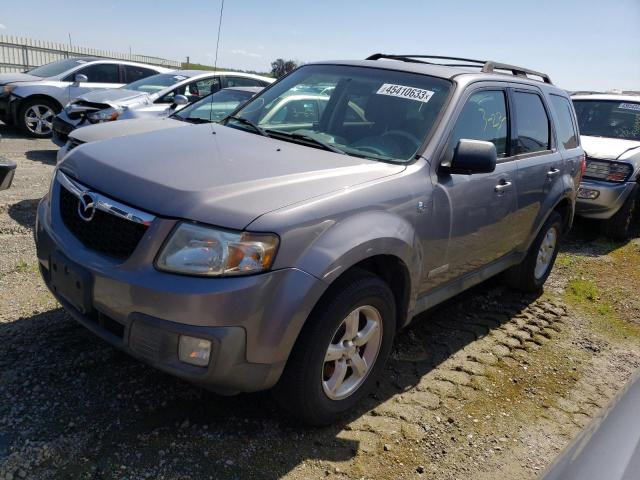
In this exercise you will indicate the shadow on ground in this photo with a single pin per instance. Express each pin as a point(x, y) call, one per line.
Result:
point(48, 157)
point(91, 401)
point(586, 238)
point(24, 212)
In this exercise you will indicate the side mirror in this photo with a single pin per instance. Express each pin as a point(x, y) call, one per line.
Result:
point(473, 156)
point(179, 100)
point(80, 78)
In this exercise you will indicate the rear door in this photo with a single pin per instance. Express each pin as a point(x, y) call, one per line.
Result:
point(477, 210)
point(538, 158)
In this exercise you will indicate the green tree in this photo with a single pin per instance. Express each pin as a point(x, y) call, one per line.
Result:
point(280, 67)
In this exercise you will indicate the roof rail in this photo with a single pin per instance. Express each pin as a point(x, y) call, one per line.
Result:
point(487, 66)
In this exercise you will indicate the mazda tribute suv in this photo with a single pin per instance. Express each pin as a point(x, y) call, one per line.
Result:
point(286, 251)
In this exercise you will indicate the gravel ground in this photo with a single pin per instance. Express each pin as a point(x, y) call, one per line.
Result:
point(490, 385)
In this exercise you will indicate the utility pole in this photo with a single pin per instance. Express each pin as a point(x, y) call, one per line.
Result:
point(69, 39)
point(187, 67)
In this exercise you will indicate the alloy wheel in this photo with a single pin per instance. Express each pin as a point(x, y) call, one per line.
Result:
point(545, 253)
point(352, 352)
point(38, 119)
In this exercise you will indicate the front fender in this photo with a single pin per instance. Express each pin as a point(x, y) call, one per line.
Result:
point(59, 94)
point(337, 245)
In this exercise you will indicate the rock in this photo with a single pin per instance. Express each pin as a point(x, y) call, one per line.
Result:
point(387, 447)
point(420, 469)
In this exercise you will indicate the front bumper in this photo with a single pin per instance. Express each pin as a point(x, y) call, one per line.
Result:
point(611, 196)
point(63, 125)
point(8, 108)
point(252, 321)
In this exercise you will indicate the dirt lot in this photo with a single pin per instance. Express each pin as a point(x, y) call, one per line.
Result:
point(491, 385)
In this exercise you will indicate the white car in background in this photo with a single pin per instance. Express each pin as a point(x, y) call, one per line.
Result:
point(610, 135)
point(31, 99)
point(155, 96)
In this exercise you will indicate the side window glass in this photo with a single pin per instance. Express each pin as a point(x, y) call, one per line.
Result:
point(134, 73)
point(532, 130)
point(566, 129)
point(243, 82)
point(101, 73)
point(483, 117)
point(201, 88)
point(296, 111)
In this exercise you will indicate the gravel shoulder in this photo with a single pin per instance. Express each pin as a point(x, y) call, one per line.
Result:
point(493, 384)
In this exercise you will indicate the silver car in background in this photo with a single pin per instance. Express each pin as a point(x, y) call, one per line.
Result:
point(212, 108)
point(609, 448)
point(31, 99)
point(150, 97)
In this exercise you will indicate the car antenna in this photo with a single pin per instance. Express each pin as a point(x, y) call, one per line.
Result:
point(215, 63)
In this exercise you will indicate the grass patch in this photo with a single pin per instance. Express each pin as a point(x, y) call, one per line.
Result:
point(585, 295)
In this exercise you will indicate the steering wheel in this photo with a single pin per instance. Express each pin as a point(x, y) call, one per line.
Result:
point(415, 141)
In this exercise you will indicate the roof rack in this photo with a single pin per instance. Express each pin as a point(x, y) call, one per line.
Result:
point(487, 66)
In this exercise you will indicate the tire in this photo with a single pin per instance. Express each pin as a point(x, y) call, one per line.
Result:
point(529, 275)
point(35, 116)
point(620, 226)
point(308, 388)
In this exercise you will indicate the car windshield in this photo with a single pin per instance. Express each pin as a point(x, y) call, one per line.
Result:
point(366, 112)
point(56, 68)
point(608, 118)
point(155, 83)
point(215, 107)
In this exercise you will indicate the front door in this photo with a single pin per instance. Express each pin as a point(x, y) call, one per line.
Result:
point(475, 212)
point(99, 76)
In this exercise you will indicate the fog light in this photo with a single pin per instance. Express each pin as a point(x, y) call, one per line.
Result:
point(588, 193)
point(195, 351)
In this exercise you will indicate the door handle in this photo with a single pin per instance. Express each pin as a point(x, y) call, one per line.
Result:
point(502, 186)
point(553, 172)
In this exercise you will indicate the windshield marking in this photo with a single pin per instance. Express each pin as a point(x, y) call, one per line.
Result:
point(409, 93)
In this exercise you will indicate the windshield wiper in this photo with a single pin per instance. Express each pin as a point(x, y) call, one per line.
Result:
point(191, 120)
point(308, 139)
point(248, 122)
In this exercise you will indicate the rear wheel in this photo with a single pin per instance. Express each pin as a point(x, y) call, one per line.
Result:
point(341, 350)
point(35, 116)
point(533, 271)
point(620, 226)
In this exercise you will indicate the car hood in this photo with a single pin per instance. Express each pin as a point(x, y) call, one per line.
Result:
point(103, 131)
point(18, 77)
point(609, 148)
point(113, 97)
point(215, 174)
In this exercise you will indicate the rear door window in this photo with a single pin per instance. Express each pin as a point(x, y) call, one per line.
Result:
point(134, 73)
point(483, 117)
point(101, 73)
point(566, 128)
point(532, 123)
point(243, 82)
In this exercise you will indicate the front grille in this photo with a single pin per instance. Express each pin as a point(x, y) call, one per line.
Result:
point(105, 233)
point(73, 143)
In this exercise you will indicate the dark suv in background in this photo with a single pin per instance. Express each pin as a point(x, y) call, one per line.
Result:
point(286, 252)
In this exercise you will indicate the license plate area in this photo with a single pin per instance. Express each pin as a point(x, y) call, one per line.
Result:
point(70, 281)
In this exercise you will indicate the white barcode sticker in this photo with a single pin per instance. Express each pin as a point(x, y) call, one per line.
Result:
point(401, 91)
point(630, 106)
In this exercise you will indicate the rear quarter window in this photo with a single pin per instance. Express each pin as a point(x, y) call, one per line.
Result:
point(566, 128)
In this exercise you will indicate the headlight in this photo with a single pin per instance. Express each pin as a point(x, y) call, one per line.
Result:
point(8, 88)
point(197, 250)
point(607, 171)
point(106, 115)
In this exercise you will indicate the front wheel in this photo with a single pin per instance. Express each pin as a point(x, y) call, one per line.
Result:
point(35, 116)
point(341, 350)
point(530, 275)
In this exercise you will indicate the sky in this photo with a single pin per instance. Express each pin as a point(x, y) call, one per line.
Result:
point(581, 44)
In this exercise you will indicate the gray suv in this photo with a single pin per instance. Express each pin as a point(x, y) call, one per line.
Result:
point(287, 250)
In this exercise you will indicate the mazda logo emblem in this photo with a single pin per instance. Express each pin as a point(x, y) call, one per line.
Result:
point(87, 206)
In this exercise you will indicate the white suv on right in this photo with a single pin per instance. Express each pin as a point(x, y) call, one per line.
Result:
point(610, 135)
